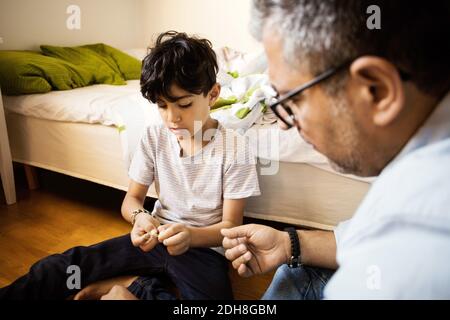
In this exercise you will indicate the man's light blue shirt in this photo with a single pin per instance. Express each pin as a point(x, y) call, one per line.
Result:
point(397, 245)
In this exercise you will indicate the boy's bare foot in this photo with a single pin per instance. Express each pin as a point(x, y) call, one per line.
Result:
point(119, 293)
point(97, 290)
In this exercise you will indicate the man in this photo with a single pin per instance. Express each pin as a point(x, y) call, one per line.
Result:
point(375, 102)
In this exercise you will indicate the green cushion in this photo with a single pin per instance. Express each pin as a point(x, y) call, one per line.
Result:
point(102, 68)
point(129, 66)
point(63, 68)
point(224, 102)
point(26, 72)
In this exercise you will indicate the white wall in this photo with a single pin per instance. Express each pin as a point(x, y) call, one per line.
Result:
point(224, 22)
point(25, 24)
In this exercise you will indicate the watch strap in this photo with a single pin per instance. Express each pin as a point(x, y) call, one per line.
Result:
point(294, 260)
point(136, 212)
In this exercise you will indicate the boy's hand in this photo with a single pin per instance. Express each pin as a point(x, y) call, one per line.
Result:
point(176, 237)
point(141, 233)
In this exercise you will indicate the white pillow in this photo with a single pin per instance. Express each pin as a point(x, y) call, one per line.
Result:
point(243, 63)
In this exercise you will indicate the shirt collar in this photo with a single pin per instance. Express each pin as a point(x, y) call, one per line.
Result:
point(435, 129)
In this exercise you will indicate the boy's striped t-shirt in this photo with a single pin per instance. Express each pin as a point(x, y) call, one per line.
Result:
point(191, 189)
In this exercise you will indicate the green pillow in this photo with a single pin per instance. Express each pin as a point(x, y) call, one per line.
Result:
point(27, 72)
point(102, 69)
point(129, 66)
point(224, 102)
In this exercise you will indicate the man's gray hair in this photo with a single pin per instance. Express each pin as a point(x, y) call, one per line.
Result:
point(308, 29)
point(321, 34)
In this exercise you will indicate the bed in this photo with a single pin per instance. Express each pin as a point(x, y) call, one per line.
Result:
point(90, 133)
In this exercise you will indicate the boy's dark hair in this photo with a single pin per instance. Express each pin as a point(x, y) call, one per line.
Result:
point(177, 59)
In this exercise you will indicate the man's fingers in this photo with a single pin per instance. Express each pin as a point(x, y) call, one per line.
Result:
point(238, 232)
point(244, 271)
point(235, 252)
point(230, 243)
point(243, 259)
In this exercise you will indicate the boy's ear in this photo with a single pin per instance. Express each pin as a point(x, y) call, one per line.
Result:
point(214, 94)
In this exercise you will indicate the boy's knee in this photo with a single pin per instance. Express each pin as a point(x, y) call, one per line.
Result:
point(46, 264)
point(61, 263)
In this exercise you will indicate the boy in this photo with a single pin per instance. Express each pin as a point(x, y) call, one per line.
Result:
point(201, 188)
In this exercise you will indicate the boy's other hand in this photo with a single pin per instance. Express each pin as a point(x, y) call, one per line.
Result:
point(140, 234)
point(176, 237)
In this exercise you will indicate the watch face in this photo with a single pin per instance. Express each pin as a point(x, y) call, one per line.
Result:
point(294, 262)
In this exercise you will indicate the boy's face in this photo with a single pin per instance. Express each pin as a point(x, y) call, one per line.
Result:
point(188, 109)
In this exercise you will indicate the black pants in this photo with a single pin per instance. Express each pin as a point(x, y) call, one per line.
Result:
point(200, 273)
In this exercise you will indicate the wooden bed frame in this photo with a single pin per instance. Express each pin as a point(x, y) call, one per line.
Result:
point(6, 168)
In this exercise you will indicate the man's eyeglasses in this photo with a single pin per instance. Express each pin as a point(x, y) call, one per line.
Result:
point(283, 106)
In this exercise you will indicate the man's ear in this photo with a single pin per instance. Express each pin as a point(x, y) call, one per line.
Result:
point(380, 86)
point(214, 94)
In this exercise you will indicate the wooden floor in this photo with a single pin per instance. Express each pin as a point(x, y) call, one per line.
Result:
point(66, 212)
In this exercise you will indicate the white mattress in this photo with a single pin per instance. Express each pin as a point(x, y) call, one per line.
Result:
point(97, 104)
point(125, 108)
point(298, 194)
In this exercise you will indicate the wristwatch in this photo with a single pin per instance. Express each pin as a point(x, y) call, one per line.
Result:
point(294, 260)
point(136, 212)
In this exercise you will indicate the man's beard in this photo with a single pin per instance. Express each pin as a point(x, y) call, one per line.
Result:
point(346, 167)
point(349, 137)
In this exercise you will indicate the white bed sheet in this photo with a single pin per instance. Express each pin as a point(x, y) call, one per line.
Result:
point(97, 104)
